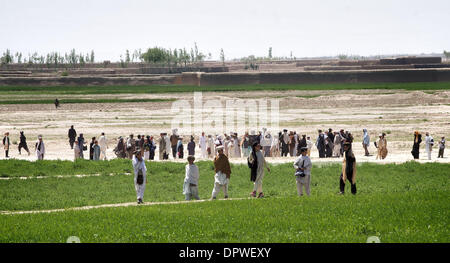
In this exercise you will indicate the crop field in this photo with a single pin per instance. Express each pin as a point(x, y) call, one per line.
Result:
point(407, 202)
point(61, 90)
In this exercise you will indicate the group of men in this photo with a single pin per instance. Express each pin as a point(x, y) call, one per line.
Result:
point(257, 165)
point(97, 148)
point(329, 143)
point(39, 146)
point(429, 143)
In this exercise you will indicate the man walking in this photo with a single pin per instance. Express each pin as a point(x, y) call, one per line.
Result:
point(257, 163)
point(190, 186)
point(223, 171)
point(23, 143)
point(72, 134)
point(140, 176)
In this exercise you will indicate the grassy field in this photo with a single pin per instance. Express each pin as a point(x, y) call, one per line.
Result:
point(398, 203)
point(393, 217)
point(33, 90)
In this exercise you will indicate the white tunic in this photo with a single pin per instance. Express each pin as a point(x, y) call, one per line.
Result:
point(102, 143)
point(220, 178)
point(428, 143)
point(40, 152)
point(303, 162)
point(202, 142)
point(139, 165)
point(191, 177)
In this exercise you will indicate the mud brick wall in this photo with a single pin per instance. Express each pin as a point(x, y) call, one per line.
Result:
point(356, 76)
point(411, 60)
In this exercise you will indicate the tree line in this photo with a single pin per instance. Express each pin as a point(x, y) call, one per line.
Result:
point(53, 58)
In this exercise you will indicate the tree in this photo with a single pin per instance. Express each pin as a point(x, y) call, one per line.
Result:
point(7, 58)
point(175, 56)
point(222, 57)
point(127, 56)
point(92, 57)
point(81, 59)
point(73, 58)
point(270, 52)
point(446, 54)
point(155, 55)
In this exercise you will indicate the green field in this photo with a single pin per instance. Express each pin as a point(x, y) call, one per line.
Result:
point(399, 203)
point(35, 90)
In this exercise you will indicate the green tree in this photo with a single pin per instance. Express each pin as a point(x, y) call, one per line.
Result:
point(7, 58)
point(270, 52)
point(446, 54)
point(127, 56)
point(92, 56)
point(155, 55)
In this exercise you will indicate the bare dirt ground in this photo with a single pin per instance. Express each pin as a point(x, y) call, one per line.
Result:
point(395, 112)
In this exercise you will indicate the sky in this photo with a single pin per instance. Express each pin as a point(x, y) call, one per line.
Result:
point(311, 28)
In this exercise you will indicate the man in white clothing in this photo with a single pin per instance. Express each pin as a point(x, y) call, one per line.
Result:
point(303, 172)
point(309, 146)
point(257, 163)
point(210, 146)
point(190, 186)
point(168, 145)
point(429, 142)
point(103, 146)
point(140, 175)
point(40, 148)
point(202, 143)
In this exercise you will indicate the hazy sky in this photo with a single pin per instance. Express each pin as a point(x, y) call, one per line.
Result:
point(307, 28)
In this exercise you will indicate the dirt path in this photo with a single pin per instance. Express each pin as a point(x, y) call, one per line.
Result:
point(109, 206)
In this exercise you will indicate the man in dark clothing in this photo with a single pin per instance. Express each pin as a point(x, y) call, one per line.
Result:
point(56, 103)
point(331, 134)
point(416, 145)
point(23, 143)
point(72, 135)
point(91, 149)
point(173, 142)
point(329, 144)
point(284, 143)
point(191, 147)
point(301, 143)
point(320, 144)
point(81, 144)
point(348, 169)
